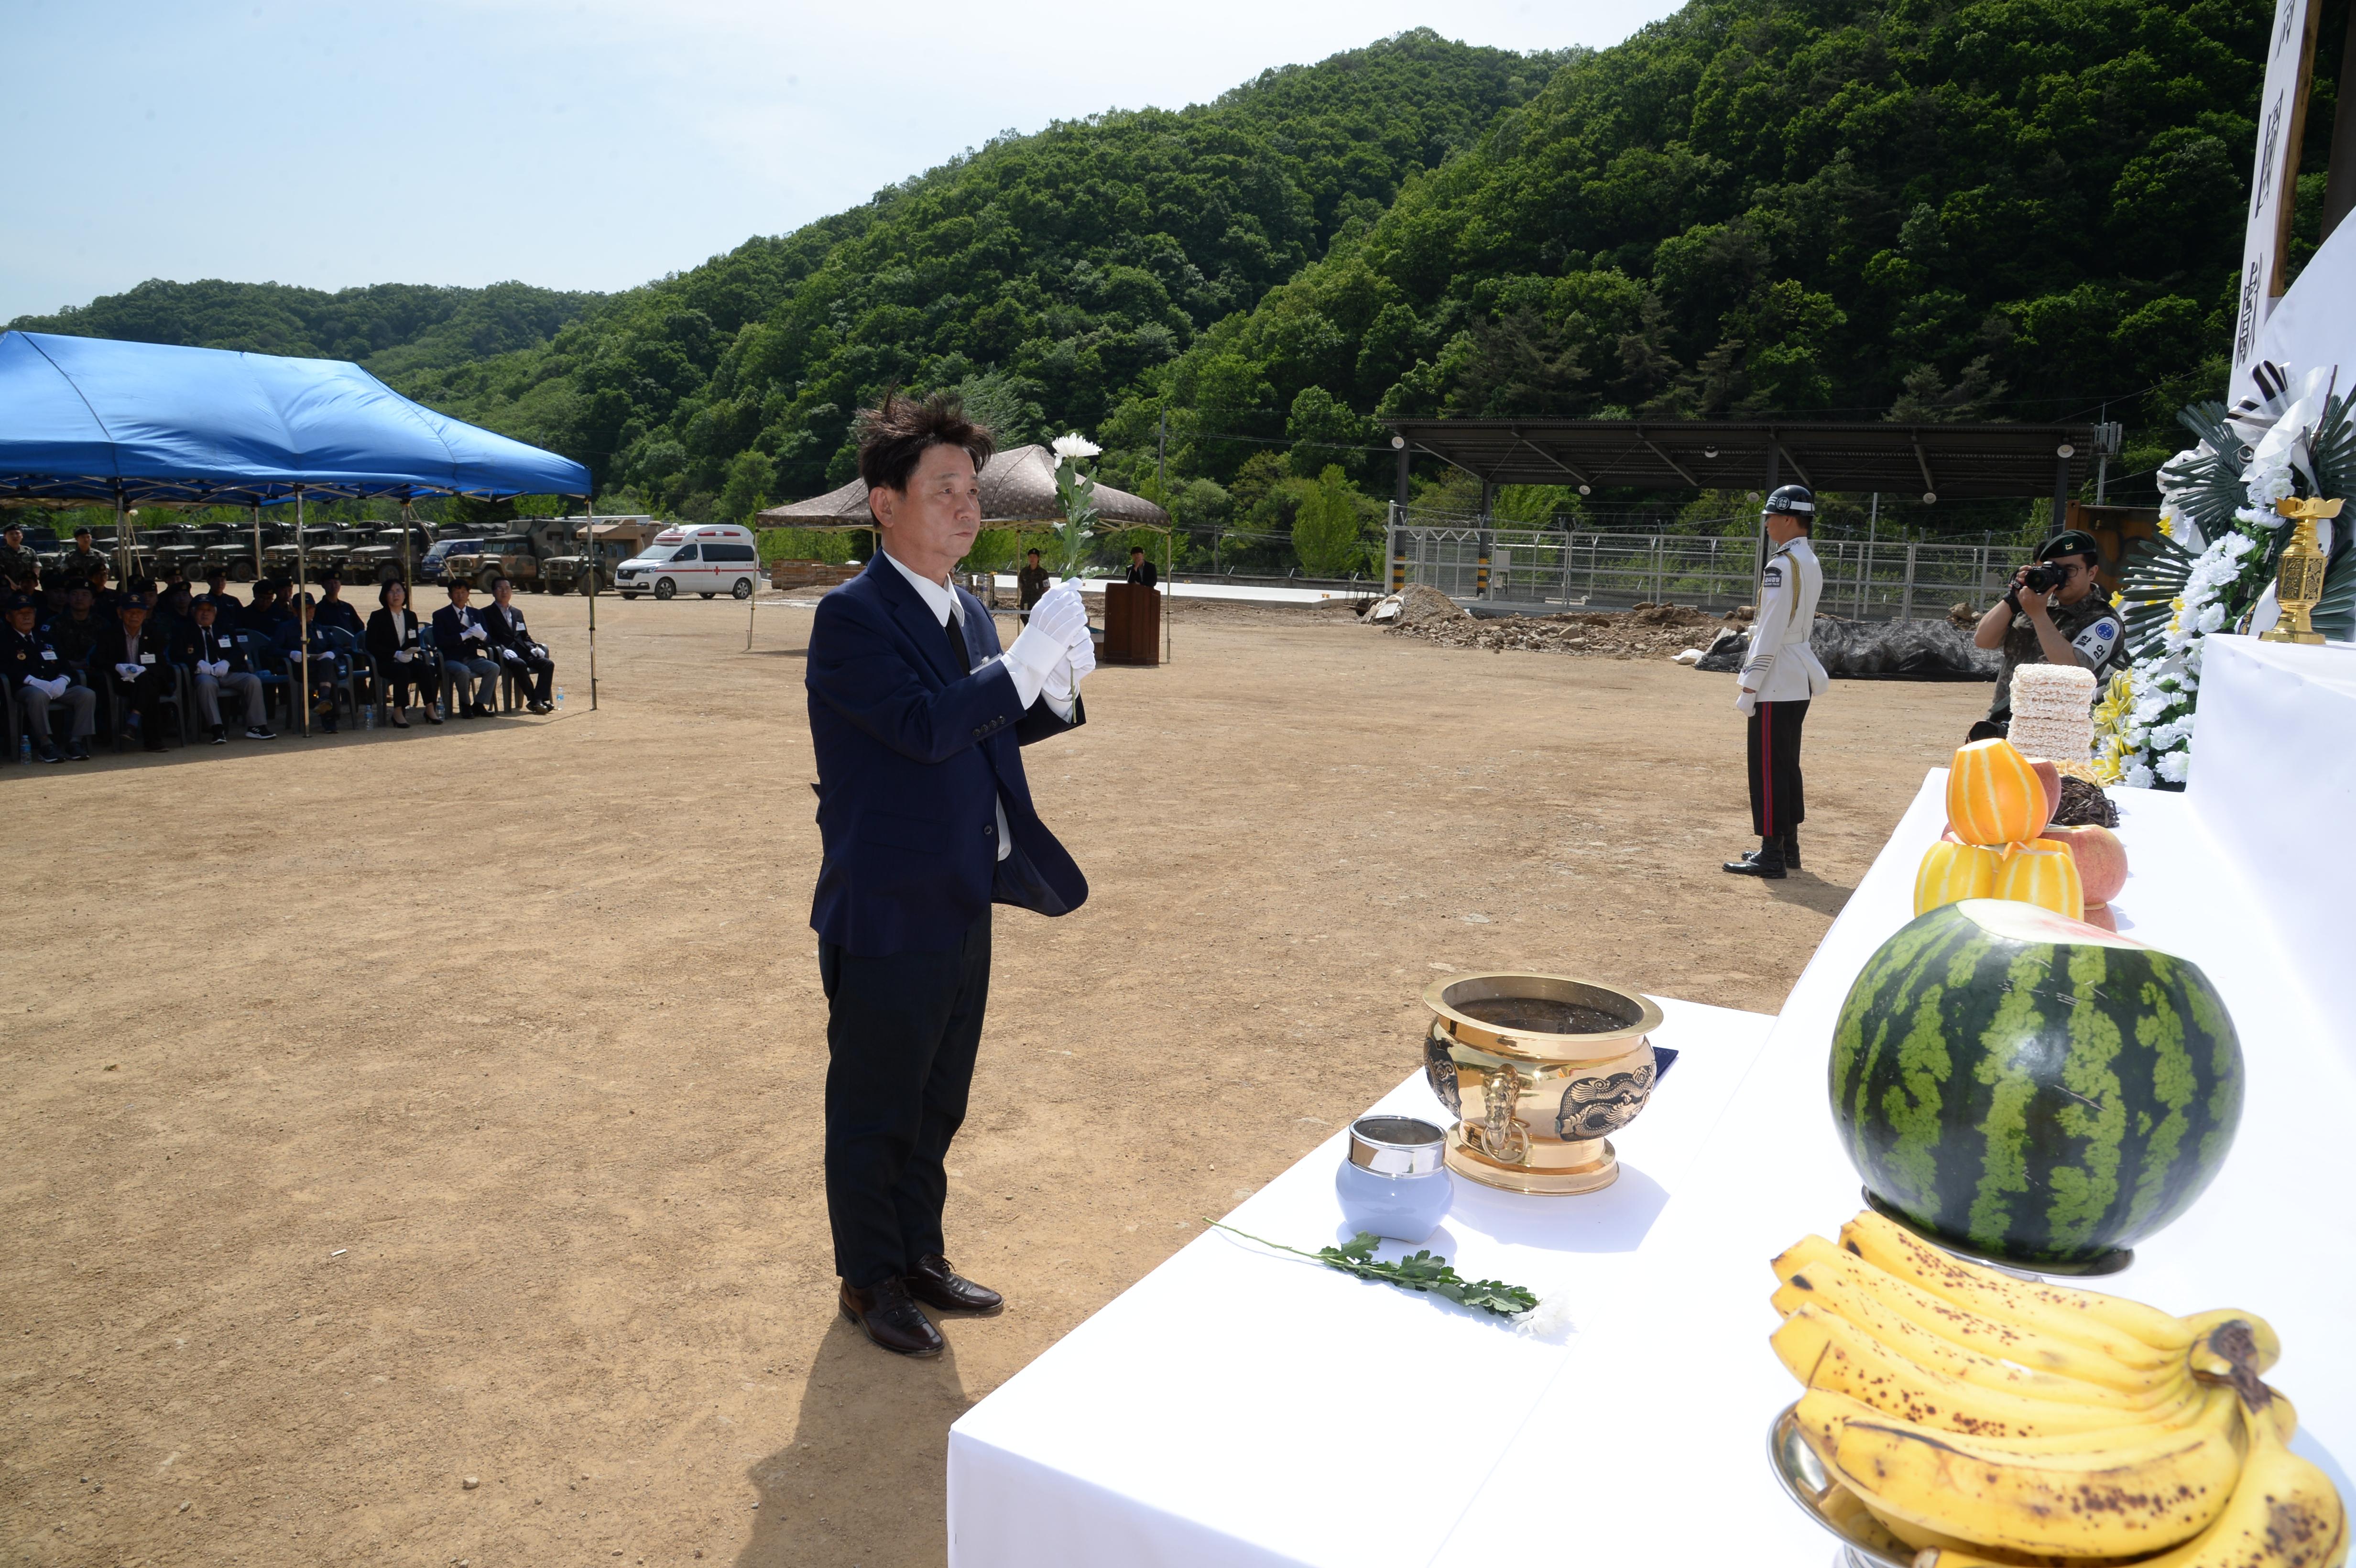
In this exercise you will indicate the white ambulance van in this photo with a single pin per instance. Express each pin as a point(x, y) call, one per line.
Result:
point(702, 558)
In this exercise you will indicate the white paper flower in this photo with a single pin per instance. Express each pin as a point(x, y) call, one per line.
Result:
point(1074, 446)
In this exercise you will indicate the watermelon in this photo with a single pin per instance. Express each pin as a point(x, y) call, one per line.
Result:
point(2032, 1088)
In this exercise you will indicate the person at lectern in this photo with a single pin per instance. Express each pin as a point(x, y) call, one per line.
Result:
point(918, 720)
point(1140, 570)
point(1780, 677)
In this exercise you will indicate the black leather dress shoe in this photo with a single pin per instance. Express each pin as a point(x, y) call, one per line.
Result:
point(1767, 860)
point(1791, 851)
point(885, 1315)
point(937, 1286)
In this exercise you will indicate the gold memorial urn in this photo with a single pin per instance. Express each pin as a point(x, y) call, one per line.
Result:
point(1538, 1068)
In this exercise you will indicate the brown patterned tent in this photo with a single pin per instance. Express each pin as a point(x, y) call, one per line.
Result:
point(1018, 486)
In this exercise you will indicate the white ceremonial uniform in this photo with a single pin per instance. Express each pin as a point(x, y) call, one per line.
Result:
point(1779, 677)
point(1781, 666)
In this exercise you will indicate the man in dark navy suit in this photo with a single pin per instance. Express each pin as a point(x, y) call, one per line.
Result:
point(918, 720)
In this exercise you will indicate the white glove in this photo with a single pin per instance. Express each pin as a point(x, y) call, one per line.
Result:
point(509, 655)
point(477, 632)
point(1063, 681)
point(213, 668)
point(53, 687)
point(127, 671)
point(1060, 614)
point(401, 657)
point(1746, 701)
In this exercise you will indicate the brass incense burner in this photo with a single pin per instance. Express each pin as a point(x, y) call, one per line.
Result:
point(1538, 1068)
point(2298, 578)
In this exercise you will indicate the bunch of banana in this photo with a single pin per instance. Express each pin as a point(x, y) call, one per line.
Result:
point(1985, 1419)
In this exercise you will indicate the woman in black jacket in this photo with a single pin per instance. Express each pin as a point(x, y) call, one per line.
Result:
point(401, 656)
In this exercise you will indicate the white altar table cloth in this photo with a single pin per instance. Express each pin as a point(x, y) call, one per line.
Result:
point(1241, 1407)
point(1660, 1411)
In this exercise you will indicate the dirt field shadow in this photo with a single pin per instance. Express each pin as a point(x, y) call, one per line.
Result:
point(1810, 892)
point(860, 1485)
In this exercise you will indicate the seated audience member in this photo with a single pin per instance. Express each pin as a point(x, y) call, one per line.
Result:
point(104, 600)
point(34, 677)
point(218, 663)
point(75, 634)
point(300, 635)
point(403, 660)
point(513, 645)
point(132, 657)
point(227, 611)
point(464, 642)
point(332, 611)
point(174, 611)
point(268, 613)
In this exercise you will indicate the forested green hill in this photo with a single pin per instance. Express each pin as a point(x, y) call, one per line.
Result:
point(1909, 208)
point(398, 330)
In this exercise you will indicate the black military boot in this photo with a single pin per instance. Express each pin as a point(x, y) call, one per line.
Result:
point(1791, 851)
point(1767, 860)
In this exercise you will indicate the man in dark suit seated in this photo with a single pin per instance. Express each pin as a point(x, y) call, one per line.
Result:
point(220, 664)
point(513, 645)
point(33, 677)
point(465, 645)
point(132, 659)
point(917, 721)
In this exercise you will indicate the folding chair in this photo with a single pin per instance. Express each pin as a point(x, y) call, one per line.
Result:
point(262, 657)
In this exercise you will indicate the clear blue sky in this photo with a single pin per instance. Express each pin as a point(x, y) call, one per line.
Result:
point(575, 143)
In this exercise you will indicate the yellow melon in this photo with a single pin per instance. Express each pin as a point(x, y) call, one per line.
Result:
point(1952, 872)
point(2045, 874)
point(1993, 797)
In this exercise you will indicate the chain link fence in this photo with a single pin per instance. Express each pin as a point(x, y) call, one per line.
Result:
point(1555, 570)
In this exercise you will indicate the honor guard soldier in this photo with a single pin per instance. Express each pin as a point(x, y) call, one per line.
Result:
point(1779, 676)
point(34, 677)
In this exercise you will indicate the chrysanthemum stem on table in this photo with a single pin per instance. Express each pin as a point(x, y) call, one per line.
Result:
point(1425, 1271)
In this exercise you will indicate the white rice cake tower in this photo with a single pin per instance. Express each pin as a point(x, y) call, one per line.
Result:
point(2053, 712)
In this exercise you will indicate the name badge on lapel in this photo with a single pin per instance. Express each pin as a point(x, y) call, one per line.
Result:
point(146, 658)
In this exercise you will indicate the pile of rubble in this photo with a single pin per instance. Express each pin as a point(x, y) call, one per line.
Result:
point(1648, 631)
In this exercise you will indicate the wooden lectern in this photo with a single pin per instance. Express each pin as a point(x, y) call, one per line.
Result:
point(1132, 624)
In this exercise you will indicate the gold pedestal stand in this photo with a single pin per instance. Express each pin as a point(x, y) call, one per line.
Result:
point(1591, 1174)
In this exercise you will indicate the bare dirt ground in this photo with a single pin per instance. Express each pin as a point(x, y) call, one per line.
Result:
point(399, 1108)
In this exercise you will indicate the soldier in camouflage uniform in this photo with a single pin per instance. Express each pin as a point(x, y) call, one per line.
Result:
point(2074, 624)
point(19, 568)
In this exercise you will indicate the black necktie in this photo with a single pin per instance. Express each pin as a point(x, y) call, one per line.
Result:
point(961, 657)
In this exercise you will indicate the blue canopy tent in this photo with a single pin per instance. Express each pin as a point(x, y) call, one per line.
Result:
point(90, 420)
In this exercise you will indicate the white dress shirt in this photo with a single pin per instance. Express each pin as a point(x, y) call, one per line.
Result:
point(943, 601)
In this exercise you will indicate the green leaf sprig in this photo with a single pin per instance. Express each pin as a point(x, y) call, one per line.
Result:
point(1426, 1271)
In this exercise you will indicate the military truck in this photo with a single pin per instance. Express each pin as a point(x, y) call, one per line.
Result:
point(379, 558)
point(319, 552)
point(505, 555)
point(234, 554)
point(617, 541)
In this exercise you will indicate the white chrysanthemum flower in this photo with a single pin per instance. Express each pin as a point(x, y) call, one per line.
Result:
point(2136, 776)
point(1074, 446)
point(1550, 1319)
point(2175, 766)
point(2211, 618)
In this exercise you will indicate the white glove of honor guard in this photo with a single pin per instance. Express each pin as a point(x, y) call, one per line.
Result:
point(1746, 701)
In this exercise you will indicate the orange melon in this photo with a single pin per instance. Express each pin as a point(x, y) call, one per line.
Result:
point(1993, 797)
point(1951, 872)
point(2045, 874)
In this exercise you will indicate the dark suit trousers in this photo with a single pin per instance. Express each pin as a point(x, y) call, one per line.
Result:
point(901, 1036)
point(1776, 804)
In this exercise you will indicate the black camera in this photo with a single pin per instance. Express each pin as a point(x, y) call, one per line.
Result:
point(2045, 579)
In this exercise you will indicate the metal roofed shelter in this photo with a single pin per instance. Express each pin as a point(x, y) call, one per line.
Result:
point(1018, 486)
point(1953, 462)
point(88, 421)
